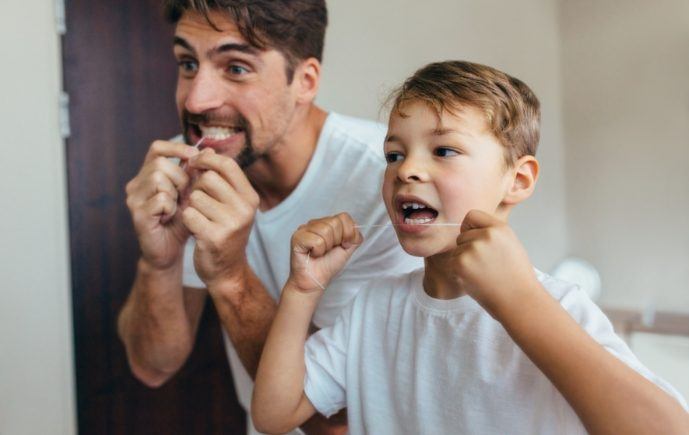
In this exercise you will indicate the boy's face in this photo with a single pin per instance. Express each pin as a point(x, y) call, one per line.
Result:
point(440, 168)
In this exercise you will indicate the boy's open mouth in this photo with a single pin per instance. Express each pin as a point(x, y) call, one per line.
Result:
point(415, 212)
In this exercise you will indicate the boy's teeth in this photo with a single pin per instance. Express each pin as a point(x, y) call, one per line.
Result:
point(409, 221)
point(412, 205)
point(217, 133)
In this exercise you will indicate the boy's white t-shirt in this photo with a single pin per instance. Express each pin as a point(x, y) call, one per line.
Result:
point(403, 362)
point(344, 175)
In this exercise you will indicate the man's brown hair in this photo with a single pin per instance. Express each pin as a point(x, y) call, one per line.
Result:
point(511, 109)
point(296, 28)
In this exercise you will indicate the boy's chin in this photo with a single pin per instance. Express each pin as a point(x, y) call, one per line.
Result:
point(420, 249)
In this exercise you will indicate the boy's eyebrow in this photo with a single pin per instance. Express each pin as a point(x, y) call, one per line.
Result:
point(392, 138)
point(224, 48)
point(444, 131)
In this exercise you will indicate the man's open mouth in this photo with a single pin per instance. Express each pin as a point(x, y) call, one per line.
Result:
point(216, 133)
point(416, 212)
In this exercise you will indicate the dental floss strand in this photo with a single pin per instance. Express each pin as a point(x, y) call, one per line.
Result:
point(197, 145)
point(308, 257)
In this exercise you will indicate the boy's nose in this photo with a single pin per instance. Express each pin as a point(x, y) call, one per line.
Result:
point(205, 93)
point(411, 170)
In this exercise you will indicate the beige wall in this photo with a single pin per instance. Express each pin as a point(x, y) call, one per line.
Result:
point(36, 380)
point(372, 46)
point(626, 77)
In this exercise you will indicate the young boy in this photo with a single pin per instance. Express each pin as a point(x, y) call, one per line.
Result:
point(477, 341)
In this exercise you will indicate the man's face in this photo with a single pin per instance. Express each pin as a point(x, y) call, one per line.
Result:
point(232, 94)
point(440, 168)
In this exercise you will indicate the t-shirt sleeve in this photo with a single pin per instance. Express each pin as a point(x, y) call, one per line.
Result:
point(325, 358)
point(595, 322)
point(189, 276)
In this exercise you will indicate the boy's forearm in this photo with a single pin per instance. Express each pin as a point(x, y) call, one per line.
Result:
point(279, 403)
point(607, 395)
point(154, 325)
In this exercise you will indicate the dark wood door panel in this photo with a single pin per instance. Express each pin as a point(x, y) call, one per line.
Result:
point(120, 75)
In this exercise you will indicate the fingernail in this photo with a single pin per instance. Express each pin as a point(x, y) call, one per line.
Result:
point(191, 151)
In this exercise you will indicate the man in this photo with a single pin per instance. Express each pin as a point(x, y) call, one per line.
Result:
point(268, 160)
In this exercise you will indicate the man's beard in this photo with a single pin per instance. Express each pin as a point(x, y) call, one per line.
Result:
point(246, 156)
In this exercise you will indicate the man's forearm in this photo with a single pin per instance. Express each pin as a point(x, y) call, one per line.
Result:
point(246, 311)
point(154, 324)
point(608, 396)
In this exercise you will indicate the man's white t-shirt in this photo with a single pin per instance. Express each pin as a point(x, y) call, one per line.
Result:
point(403, 362)
point(344, 175)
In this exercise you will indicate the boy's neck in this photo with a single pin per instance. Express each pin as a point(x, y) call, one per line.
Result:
point(437, 282)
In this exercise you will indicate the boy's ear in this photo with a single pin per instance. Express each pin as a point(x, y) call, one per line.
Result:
point(307, 77)
point(525, 175)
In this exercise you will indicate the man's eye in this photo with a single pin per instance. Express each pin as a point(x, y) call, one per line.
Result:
point(445, 152)
point(188, 66)
point(393, 157)
point(237, 70)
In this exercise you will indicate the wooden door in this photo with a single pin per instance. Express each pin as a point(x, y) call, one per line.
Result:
point(120, 75)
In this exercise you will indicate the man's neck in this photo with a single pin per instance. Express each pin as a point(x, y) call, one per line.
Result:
point(276, 175)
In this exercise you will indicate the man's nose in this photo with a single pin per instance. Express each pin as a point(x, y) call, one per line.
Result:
point(205, 93)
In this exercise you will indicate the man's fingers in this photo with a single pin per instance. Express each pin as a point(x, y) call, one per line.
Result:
point(217, 187)
point(227, 168)
point(196, 223)
point(160, 204)
point(161, 148)
point(213, 210)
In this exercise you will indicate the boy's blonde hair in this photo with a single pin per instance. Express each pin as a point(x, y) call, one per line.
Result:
point(512, 111)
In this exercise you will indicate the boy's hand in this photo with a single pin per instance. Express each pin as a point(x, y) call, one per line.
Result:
point(491, 264)
point(323, 246)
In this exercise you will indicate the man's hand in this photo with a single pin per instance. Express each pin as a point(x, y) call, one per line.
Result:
point(491, 264)
point(221, 211)
point(152, 197)
point(320, 250)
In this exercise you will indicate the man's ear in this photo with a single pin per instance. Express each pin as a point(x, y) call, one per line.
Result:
point(524, 175)
point(307, 78)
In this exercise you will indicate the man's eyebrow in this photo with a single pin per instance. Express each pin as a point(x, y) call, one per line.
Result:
point(224, 48)
point(233, 46)
point(177, 40)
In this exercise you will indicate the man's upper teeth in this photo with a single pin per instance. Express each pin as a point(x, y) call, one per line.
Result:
point(412, 205)
point(217, 133)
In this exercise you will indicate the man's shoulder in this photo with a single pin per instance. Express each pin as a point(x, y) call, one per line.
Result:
point(358, 130)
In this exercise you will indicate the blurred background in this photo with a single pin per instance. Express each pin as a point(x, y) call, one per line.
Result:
point(613, 79)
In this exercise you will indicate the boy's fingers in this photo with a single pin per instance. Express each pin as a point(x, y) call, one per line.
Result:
point(307, 242)
point(350, 234)
point(478, 219)
point(469, 236)
point(162, 148)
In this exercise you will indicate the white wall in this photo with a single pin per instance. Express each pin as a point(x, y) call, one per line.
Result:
point(36, 374)
point(626, 77)
point(372, 46)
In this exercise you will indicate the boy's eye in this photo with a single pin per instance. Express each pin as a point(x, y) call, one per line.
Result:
point(393, 156)
point(445, 152)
